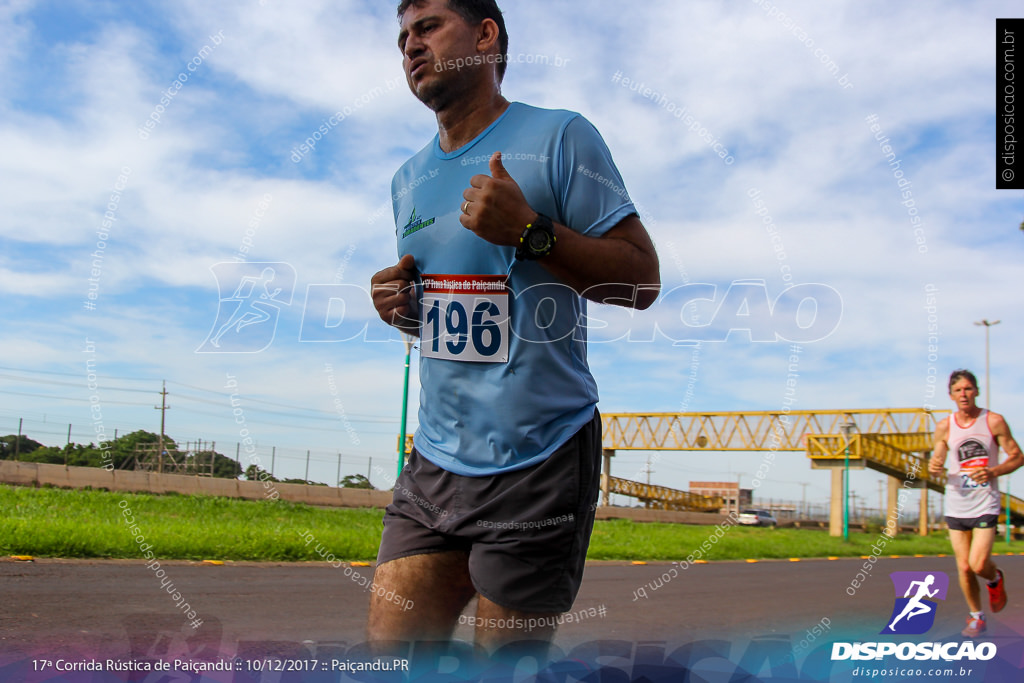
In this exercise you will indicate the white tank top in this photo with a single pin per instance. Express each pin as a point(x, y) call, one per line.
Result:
point(970, 448)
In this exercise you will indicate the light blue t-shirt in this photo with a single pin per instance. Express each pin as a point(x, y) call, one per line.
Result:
point(503, 362)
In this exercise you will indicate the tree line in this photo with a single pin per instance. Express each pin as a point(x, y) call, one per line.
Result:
point(120, 452)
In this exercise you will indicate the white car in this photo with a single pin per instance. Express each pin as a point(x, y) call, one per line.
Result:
point(757, 518)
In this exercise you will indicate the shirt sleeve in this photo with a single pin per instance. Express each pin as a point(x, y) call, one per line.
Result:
point(592, 196)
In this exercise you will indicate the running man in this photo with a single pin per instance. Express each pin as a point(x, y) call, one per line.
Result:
point(974, 436)
point(914, 606)
point(506, 221)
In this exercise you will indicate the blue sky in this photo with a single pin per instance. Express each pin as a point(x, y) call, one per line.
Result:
point(786, 89)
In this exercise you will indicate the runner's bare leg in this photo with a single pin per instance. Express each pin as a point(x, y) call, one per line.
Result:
point(542, 628)
point(961, 541)
point(439, 587)
point(982, 541)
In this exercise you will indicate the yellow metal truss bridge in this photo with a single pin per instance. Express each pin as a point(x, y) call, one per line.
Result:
point(894, 441)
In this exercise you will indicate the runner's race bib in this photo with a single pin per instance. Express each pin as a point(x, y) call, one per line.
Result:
point(965, 473)
point(465, 318)
point(972, 455)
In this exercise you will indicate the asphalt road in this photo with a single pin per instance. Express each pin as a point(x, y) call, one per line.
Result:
point(120, 609)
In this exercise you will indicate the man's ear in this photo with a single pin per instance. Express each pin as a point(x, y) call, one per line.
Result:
point(487, 35)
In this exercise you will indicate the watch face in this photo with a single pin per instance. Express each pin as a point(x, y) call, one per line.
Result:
point(539, 241)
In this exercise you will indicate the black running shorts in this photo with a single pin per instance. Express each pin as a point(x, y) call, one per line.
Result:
point(966, 524)
point(526, 531)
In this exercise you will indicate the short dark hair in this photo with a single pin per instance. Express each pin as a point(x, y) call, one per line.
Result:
point(474, 12)
point(962, 374)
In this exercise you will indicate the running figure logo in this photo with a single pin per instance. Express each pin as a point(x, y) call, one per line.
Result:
point(247, 318)
point(914, 613)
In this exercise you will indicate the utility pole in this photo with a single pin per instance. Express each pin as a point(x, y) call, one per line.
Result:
point(163, 407)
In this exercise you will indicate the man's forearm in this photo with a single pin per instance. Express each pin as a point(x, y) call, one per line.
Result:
point(1008, 466)
point(620, 267)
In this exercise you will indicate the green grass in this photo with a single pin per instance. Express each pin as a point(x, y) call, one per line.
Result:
point(51, 522)
point(621, 539)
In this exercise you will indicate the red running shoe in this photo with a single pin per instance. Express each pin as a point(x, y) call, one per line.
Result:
point(975, 627)
point(997, 594)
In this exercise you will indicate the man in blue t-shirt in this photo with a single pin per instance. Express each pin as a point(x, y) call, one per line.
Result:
point(507, 222)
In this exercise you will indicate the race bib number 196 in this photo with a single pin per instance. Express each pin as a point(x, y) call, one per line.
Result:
point(465, 318)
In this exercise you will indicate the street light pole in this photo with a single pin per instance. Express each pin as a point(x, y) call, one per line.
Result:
point(988, 386)
point(738, 475)
point(846, 428)
point(405, 404)
point(988, 406)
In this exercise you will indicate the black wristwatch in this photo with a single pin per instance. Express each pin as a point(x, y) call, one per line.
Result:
point(537, 240)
